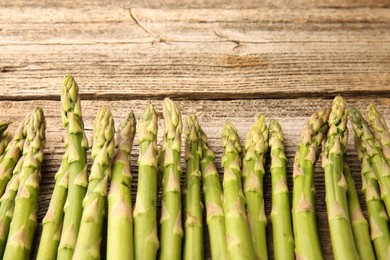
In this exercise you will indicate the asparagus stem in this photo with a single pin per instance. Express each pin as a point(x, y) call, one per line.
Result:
point(77, 166)
point(256, 145)
point(7, 205)
point(171, 222)
point(24, 221)
point(120, 243)
point(307, 244)
point(380, 130)
point(193, 247)
point(53, 220)
point(237, 228)
point(378, 219)
point(371, 147)
point(280, 214)
point(212, 189)
point(360, 226)
point(145, 212)
point(12, 154)
point(91, 227)
point(341, 234)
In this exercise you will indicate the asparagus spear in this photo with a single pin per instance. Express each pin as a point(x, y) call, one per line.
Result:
point(280, 214)
point(256, 145)
point(378, 220)
point(91, 227)
point(307, 244)
point(380, 130)
point(145, 212)
point(120, 216)
point(3, 127)
point(341, 234)
point(77, 167)
point(8, 199)
point(52, 222)
point(24, 221)
point(212, 189)
point(360, 227)
point(193, 247)
point(371, 147)
point(12, 154)
point(7, 205)
point(171, 223)
point(5, 138)
point(237, 228)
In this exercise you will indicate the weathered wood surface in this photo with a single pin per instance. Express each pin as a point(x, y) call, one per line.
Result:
point(151, 53)
point(224, 60)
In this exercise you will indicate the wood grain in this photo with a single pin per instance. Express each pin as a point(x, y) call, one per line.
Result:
point(126, 53)
point(212, 114)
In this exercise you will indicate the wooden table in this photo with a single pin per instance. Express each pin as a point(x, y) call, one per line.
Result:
point(222, 60)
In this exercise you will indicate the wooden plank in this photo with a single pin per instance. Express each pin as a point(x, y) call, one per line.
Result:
point(121, 53)
point(292, 114)
point(206, 4)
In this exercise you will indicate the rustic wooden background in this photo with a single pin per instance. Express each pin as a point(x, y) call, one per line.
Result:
point(222, 60)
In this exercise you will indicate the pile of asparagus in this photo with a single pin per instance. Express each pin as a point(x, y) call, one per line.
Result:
point(73, 227)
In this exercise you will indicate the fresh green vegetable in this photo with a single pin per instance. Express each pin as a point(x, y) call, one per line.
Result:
point(237, 229)
point(120, 242)
point(193, 246)
point(171, 220)
point(307, 243)
point(24, 220)
point(280, 214)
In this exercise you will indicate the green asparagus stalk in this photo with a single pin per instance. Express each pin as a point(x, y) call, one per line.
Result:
point(89, 239)
point(378, 219)
point(91, 227)
point(307, 244)
point(193, 247)
point(343, 242)
point(360, 226)
point(5, 138)
point(280, 214)
point(53, 220)
point(171, 222)
point(120, 216)
point(145, 211)
point(77, 167)
point(7, 205)
point(8, 199)
point(24, 221)
point(380, 130)
point(372, 148)
point(256, 145)
point(212, 189)
point(237, 228)
point(12, 154)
